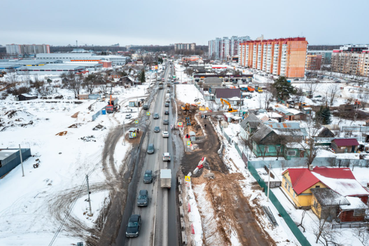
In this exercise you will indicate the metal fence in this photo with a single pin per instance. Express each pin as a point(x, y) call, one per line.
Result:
point(355, 128)
point(97, 114)
point(282, 212)
point(198, 87)
point(350, 225)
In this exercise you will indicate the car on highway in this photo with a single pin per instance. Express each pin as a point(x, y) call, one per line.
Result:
point(166, 105)
point(143, 198)
point(165, 134)
point(156, 116)
point(128, 116)
point(166, 122)
point(157, 129)
point(166, 156)
point(166, 112)
point(176, 82)
point(151, 149)
point(134, 226)
point(148, 177)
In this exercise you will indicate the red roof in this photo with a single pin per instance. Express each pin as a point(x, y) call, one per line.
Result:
point(346, 142)
point(302, 178)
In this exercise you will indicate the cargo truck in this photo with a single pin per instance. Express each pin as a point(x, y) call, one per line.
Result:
point(165, 178)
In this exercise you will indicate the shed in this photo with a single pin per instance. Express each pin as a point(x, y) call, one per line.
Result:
point(354, 211)
point(345, 145)
point(325, 203)
point(10, 158)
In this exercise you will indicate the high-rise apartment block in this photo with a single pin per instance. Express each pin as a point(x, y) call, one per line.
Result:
point(189, 46)
point(226, 48)
point(284, 57)
point(27, 49)
point(351, 59)
point(313, 62)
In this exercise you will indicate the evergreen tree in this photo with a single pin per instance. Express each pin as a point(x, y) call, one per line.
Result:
point(323, 116)
point(142, 76)
point(283, 88)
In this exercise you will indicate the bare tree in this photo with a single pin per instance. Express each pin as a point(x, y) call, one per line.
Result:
point(332, 92)
point(312, 86)
point(324, 233)
point(72, 82)
point(362, 234)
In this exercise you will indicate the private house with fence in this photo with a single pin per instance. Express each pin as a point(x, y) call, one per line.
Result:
point(249, 125)
point(273, 139)
point(331, 193)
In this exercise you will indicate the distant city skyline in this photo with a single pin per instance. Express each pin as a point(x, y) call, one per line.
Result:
point(165, 22)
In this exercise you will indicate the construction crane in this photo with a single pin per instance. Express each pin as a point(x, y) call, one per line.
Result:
point(230, 109)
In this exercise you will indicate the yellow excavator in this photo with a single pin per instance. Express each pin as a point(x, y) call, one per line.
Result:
point(230, 109)
point(185, 107)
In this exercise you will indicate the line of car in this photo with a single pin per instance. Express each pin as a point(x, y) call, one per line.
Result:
point(134, 222)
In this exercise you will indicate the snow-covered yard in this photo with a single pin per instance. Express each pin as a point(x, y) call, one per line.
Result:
point(33, 207)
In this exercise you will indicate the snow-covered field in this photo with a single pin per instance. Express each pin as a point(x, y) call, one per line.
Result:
point(33, 207)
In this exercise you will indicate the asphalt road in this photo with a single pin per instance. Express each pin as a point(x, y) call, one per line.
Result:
point(159, 218)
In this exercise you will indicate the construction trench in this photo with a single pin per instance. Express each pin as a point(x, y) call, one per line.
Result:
point(223, 208)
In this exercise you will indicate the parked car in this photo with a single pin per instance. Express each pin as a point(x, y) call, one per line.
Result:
point(156, 116)
point(134, 226)
point(147, 177)
point(166, 105)
point(166, 112)
point(165, 122)
point(128, 116)
point(165, 134)
point(157, 129)
point(166, 156)
point(143, 198)
point(151, 149)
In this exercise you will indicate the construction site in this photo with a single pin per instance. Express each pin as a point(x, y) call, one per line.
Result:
point(227, 215)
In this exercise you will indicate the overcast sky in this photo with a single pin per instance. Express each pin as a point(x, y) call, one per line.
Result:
point(164, 22)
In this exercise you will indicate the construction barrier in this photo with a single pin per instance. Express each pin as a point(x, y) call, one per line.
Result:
point(192, 229)
point(189, 207)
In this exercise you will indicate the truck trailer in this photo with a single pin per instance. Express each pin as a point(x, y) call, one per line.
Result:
point(165, 178)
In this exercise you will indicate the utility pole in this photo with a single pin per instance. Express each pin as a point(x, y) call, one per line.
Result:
point(123, 134)
point(21, 159)
point(268, 183)
point(88, 191)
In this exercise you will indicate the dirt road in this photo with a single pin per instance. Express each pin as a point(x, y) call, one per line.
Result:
point(229, 209)
point(208, 148)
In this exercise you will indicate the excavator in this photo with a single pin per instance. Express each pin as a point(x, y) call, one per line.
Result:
point(112, 106)
point(230, 109)
point(186, 107)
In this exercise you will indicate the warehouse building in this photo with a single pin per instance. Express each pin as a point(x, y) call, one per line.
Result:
point(83, 57)
point(56, 69)
point(10, 158)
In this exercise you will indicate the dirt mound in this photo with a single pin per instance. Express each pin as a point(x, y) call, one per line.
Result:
point(75, 115)
point(63, 133)
point(76, 125)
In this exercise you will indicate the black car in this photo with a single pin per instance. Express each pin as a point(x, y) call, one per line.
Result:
point(143, 198)
point(165, 122)
point(166, 112)
point(156, 116)
point(166, 104)
point(147, 177)
point(157, 129)
point(151, 149)
point(134, 225)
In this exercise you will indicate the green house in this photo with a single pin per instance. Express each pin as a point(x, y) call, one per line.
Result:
point(279, 140)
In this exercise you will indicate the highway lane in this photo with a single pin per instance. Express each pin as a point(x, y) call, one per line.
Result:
point(154, 230)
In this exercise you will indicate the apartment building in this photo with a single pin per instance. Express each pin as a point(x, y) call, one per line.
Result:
point(182, 46)
point(226, 48)
point(27, 49)
point(351, 59)
point(284, 57)
point(313, 62)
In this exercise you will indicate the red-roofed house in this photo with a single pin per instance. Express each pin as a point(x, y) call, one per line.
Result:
point(297, 183)
point(346, 145)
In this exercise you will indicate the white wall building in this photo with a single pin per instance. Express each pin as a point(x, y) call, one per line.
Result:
point(83, 57)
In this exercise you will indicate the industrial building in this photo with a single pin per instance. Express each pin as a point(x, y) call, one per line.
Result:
point(27, 49)
point(52, 69)
point(187, 46)
point(83, 57)
point(351, 59)
point(283, 57)
point(10, 158)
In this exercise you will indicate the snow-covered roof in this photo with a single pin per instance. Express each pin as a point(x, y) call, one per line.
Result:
point(343, 186)
point(328, 197)
point(355, 203)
